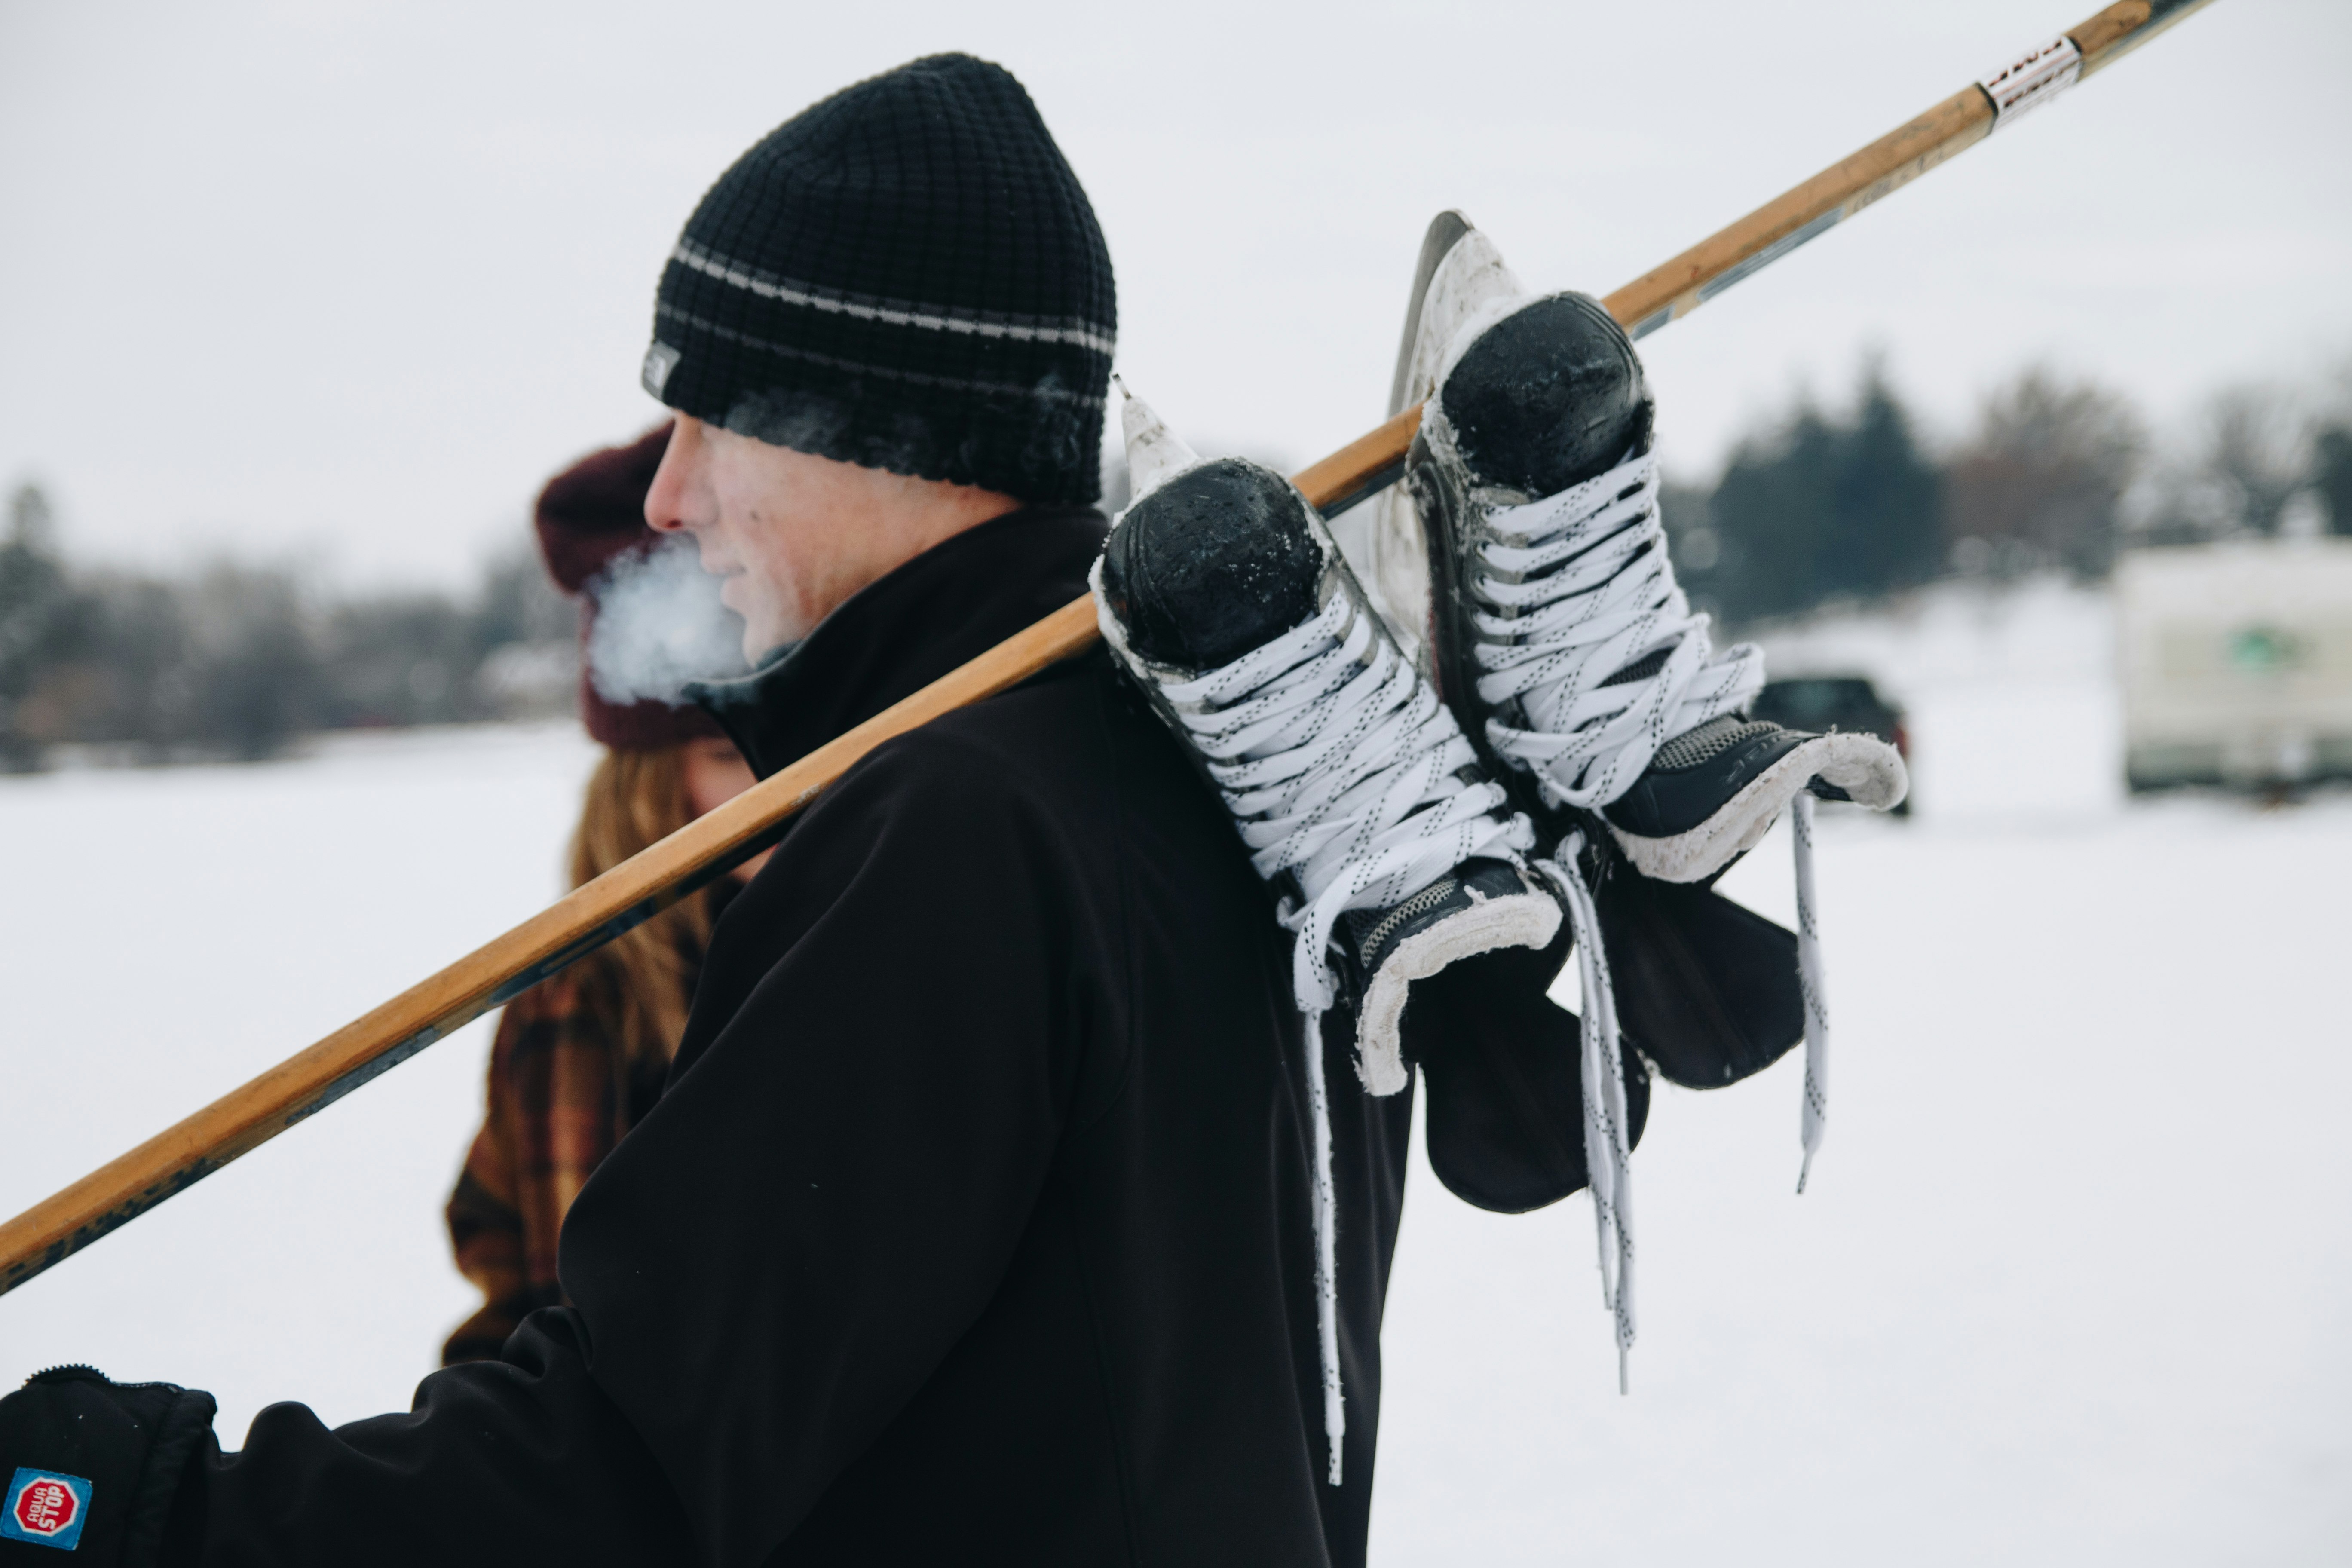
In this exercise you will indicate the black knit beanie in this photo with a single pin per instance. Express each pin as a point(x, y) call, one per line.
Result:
point(905, 275)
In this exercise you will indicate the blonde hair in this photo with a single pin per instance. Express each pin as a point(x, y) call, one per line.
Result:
point(640, 979)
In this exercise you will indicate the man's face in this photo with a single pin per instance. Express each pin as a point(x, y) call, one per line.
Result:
point(792, 535)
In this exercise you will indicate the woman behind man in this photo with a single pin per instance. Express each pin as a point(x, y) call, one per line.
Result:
point(580, 1059)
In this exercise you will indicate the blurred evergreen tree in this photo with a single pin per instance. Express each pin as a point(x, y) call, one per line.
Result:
point(1821, 509)
point(37, 623)
point(1889, 499)
point(2332, 476)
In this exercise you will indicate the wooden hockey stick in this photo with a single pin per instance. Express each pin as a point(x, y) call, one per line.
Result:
point(706, 849)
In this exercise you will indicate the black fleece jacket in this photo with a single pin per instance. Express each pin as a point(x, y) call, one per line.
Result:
point(974, 1223)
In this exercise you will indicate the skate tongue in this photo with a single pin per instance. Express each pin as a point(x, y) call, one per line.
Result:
point(1155, 454)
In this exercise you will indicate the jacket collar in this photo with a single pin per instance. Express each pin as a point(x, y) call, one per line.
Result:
point(898, 634)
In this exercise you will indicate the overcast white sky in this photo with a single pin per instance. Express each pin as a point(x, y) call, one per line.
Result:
point(348, 279)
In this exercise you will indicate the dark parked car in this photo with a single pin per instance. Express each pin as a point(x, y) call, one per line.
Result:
point(1849, 702)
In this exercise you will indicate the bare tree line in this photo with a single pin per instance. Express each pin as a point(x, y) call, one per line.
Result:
point(2055, 473)
point(237, 658)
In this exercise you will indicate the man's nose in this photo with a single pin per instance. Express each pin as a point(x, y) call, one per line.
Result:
point(666, 499)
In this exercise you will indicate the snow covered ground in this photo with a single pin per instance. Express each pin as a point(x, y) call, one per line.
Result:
point(2071, 1281)
point(2071, 1286)
point(166, 934)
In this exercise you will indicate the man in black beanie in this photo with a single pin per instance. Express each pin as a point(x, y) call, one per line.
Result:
point(974, 1223)
point(906, 277)
point(1001, 1205)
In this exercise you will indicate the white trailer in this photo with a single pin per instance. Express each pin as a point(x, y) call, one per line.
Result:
point(2237, 662)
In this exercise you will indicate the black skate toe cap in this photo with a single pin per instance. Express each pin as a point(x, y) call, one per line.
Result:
point(1547, 397)
point(1218, 560)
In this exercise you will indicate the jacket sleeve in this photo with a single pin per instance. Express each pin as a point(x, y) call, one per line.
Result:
point(1503, 1066)
point(863, 1112)
point(520, 1459)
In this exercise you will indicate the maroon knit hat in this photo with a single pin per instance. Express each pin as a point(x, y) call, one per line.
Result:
point(587, 515)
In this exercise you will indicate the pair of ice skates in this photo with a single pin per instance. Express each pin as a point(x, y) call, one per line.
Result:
point(1530, 715)
point(1539, 692)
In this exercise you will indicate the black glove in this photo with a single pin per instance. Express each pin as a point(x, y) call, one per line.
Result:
point(1706, 988)
point(1504, 1069)
point(93, 1466)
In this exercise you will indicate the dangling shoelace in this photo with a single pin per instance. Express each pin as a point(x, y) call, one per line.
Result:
point(1816, 1112)
point(1608, 1126)
point(1583, 579)
point(1341, 766)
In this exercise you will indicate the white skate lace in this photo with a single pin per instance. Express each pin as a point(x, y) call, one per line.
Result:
point(1608, 1126)
point(1814, 1118)
point(1585, 580)
point(1343, 770)
point(1342, 767)
point(1584, 590)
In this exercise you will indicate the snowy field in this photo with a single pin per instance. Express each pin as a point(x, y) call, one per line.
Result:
point(2070, 1286)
